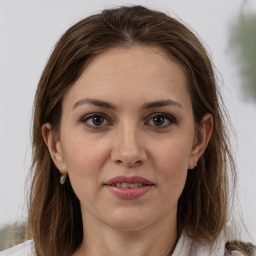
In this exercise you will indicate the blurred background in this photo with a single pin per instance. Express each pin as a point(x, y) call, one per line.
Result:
point(28, 32)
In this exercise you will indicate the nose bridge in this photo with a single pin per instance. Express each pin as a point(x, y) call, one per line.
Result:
point(128, 147)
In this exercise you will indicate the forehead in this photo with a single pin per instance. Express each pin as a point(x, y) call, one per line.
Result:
point(139, 72)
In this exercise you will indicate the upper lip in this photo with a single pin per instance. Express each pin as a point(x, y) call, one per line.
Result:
point(126, 179)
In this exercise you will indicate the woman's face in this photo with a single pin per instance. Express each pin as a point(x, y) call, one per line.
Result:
point(127, 137)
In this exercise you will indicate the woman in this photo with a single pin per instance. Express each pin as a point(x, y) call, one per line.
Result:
point(130, 152)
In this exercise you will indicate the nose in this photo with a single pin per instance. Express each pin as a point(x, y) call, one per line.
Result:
point(128, 147)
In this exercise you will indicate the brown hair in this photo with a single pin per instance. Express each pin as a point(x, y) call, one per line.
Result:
point(55, 221)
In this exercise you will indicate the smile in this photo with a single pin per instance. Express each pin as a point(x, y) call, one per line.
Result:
point(129, 185)
point(125, 187)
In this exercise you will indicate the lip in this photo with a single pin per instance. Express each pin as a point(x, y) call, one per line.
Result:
point(127, 179)
point(129, 193)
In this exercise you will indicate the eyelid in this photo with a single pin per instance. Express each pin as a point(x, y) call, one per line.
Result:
point(172, 120)
point(169, 117)
point(85, 118)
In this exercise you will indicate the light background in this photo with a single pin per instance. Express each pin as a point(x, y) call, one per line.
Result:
point(28, 32)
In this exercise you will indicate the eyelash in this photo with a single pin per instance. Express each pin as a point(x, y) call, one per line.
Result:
point(171, 120)
point(85, 119)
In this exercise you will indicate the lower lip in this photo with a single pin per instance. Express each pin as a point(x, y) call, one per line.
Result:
point(129, 193)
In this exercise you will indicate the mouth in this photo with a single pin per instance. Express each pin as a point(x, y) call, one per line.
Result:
point(125, 187)
point(129, 185)
point(129, 182)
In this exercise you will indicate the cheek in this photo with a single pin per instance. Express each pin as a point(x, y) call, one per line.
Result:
point(82, 153)
point(84, 159)
point(172, 164)
point(173, 154)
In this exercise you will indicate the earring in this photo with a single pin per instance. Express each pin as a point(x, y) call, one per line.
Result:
point(63, 178)
point(195, 165)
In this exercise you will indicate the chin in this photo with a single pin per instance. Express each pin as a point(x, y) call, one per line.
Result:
point(129, 222)
point(128, 226)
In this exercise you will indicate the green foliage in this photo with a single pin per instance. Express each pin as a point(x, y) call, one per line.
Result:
point(243, 43)
point(4, 234)
point(11, 235)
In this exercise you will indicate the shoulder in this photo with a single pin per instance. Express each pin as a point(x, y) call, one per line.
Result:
point(236, 248)
point(24, 249)
point(187, 246)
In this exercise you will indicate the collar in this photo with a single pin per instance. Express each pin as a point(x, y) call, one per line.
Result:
point(185, 247)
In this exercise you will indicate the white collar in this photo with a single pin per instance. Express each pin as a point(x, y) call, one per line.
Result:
point(184, 244)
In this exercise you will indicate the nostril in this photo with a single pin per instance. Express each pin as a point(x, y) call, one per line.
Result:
point(129, 163)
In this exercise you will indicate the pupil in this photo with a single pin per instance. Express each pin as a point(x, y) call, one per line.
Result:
point(97, 120)
point(158, 120)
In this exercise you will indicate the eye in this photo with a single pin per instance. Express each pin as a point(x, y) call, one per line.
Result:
point(161, 120)
point(95, 120)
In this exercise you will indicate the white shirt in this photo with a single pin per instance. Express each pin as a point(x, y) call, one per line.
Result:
point(182, 248)
point(24, 249)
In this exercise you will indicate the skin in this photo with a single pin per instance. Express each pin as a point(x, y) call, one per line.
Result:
point(128, 142)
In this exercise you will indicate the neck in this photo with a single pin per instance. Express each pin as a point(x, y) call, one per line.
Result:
point(156, 239)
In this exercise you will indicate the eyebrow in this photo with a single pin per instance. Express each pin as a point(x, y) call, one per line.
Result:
point(161, 103)
point(99, 103)
point(149, 105)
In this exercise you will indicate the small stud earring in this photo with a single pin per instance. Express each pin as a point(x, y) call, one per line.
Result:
point(195, 165)
point(63, 178)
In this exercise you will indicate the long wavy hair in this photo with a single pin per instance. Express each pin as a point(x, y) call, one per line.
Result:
point(54, 220)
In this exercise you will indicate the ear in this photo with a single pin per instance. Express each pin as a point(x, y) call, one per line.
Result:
point(202, 137)
point(54, 146)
